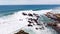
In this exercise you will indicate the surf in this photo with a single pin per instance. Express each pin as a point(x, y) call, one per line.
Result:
point(12, 23)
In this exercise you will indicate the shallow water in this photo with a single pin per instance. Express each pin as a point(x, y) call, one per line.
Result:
point(48, 30)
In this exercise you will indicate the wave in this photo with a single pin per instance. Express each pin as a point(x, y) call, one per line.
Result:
point(11, 23)
point(56, 10)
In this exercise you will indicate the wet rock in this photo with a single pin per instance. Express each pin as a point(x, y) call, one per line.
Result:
point(52, 24)
point(42, 28)
point(30, 22)
point(21, 32)
point(36, 28)
point(24, 13)
point(30, 14)
point(30, 19)
point(30, 25)
point(35, 20)
point(55, 26)
point(36, 15)
point(39, 24)
point(53, 16)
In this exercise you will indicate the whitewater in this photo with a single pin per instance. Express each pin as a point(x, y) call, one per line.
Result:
point(11, 24)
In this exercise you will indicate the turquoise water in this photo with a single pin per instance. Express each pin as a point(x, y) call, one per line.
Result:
point(29, 31)
point(45, 19)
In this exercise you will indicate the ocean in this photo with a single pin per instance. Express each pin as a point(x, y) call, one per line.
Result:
point(10, 15)
point(10, 9)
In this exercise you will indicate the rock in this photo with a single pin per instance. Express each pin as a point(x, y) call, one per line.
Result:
point(53, 16)
point(30, 19)
point(30, 14)
point(41, 28)
point(35, 20)
point(21, 32)
point(39, 24)
point(52, 24)
point(36, 28)
point(30, 22)
point(55, 26)
point(30, 25)
point(24, 13)
point(36, 15)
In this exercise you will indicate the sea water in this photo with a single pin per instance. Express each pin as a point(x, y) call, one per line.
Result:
point(10, 15)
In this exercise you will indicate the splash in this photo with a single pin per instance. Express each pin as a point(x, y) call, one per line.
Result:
point(12, 23)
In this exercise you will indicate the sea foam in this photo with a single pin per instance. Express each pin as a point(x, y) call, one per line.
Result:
point(12, 23)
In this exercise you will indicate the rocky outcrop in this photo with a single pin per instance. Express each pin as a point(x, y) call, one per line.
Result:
point(56, 24)
point(21, 32)
point(53, 16)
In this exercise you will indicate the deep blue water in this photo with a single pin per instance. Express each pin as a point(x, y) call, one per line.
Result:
point(9, 9)
point(26, 7)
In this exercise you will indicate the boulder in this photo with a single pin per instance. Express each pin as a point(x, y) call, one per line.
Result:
point(21, 32)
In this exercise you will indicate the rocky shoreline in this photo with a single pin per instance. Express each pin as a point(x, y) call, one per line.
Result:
point(35, 23)
point(32, 22)
point(56, 24)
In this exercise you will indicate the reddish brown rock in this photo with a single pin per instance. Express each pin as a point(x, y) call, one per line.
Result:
point(55, 26)
point(53, 16)
point(21, 32)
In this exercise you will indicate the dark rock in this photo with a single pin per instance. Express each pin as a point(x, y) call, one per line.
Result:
point(36, 28)
point(30, 14)
point(24, 13)
point(30, 25)
point(30, 19)
point(30, 22)
point(42, 28)
point(52, 24)
point(36, 15)
point(35, 20)
point(21, 32)
point(39, 24)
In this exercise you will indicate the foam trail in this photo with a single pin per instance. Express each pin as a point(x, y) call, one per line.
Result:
point(11, 23)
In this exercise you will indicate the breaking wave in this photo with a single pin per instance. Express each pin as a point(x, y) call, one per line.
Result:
point(15, 21)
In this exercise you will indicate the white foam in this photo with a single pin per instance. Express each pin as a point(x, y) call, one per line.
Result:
point(11, 23)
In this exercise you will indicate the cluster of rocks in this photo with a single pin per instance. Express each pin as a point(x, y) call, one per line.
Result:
point(56, 23)
point(55, 17)
point(33, 21)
